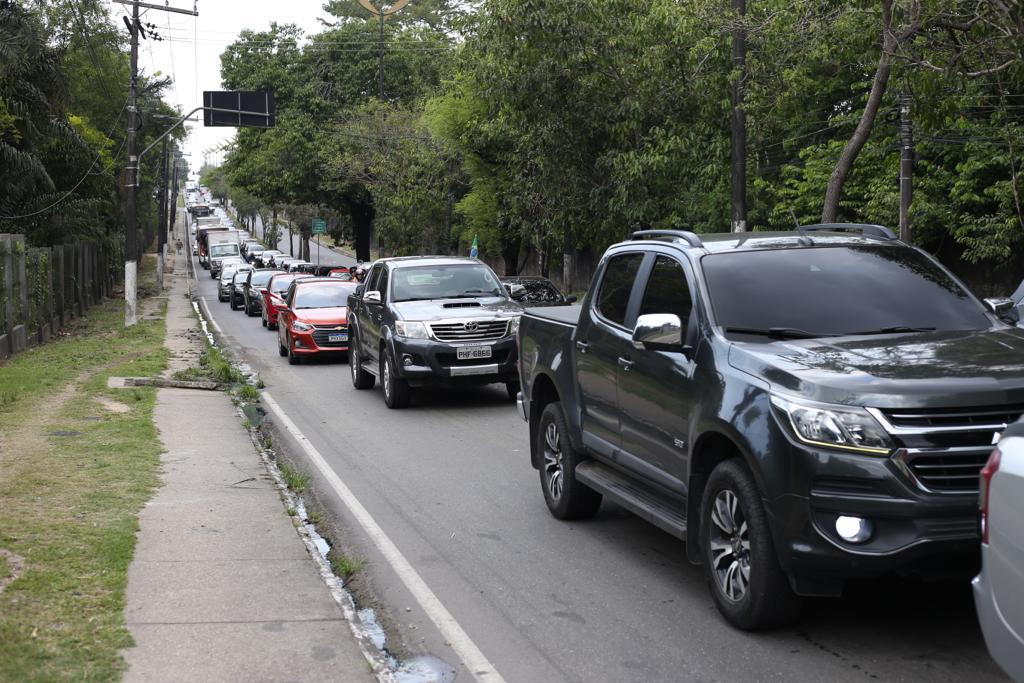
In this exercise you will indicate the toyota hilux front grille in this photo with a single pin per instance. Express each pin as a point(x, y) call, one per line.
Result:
point(944, 449)
point(469, 331)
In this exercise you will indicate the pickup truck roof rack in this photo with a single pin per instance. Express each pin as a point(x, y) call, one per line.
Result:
point(690, 238)
point(868, 230)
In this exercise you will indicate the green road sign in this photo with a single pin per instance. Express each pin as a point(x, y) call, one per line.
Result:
point(319, 226)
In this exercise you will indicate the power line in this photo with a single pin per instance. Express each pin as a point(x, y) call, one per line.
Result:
point(87, 173)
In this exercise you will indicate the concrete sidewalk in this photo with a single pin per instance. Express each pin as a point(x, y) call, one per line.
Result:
point(222, 587)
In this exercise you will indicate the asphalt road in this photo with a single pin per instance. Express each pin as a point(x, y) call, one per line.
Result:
point(607, 599)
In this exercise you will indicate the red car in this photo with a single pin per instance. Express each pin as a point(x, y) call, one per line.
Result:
point(273, 297)
point(341, 273)
point(315, 318)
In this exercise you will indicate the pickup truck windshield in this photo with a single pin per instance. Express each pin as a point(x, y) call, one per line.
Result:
point(325, 295)
point(444, 282)
point(224, 250)
point(834, 291)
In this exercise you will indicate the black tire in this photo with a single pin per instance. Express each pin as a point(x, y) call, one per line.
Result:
point(746, 582)
point(512, 388)
point(566, 498)
point(234, 303)
point(361, 379)
point(282, 350)
point(293, 358)
point(263, 319)
point(396, 389)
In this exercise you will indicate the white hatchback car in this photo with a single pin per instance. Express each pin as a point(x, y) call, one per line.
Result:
point(999, 588)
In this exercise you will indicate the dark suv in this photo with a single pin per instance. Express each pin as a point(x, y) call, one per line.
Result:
point(803, 408)
point(429, 320)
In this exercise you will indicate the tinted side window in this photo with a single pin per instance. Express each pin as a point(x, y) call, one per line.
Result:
point(371, 279)
point(667, 290)
point(382, 284)
point(616, 285)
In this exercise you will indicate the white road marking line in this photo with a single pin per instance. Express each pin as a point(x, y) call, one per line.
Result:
point(475, 661)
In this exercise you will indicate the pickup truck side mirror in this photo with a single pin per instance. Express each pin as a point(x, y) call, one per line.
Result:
point(571, 299)
point(371, 297)
point(517, 292)
point(1004, 309)
point(658, 332)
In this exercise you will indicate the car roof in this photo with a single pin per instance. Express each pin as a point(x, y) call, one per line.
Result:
point(315, 278)
point(413, 261)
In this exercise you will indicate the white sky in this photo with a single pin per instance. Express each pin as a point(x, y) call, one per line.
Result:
point(190, 51)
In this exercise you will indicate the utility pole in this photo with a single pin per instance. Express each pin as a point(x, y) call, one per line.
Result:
point(131, 177)
point(739, 118)
point(131, 249)
point(161, 221)
point(906, 165)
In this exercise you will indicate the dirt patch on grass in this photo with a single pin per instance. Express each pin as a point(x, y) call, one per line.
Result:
point(112, 405)
point(11, 567)
point(30, 436)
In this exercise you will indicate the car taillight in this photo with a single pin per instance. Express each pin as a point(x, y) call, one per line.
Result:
point(987, 472)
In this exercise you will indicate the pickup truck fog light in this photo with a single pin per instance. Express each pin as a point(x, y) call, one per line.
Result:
point(406, 359)
point(854, 529)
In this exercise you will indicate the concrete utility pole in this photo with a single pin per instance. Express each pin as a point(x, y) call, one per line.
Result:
point(739, 119)
point(131, 178)
point(131, 248)
point(161, 221)
point(906, 165)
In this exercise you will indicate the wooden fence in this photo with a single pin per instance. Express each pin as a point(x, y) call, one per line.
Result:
point(41, 289)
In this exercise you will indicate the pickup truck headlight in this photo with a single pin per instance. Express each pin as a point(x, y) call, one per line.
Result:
point(513, 326)
point(832, 426)
point(301, 326)
point(411, 330)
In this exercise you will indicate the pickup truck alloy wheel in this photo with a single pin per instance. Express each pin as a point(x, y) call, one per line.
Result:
point(396, 389)
point(730, 545)
point(748, 585)
point(566, 498)
point(553, 461)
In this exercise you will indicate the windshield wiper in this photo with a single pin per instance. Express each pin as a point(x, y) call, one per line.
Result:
point(895, 329)
point(778, 332)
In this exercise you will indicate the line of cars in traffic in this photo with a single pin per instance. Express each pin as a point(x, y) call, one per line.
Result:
point(761, 399)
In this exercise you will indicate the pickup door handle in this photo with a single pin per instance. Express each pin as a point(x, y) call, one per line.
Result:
point(582, 346)
point(625, 363)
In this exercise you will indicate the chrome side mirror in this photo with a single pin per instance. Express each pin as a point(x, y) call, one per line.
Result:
point(372, 297)
point(1004, 309)
point(999, 306)
point(658, 332)
point(517, 292)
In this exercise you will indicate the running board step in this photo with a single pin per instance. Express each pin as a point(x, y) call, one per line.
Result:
point(667, 515)
point(370, 368)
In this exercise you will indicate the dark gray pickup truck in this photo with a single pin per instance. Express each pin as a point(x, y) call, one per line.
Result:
point(432, 321)
point(802, 408)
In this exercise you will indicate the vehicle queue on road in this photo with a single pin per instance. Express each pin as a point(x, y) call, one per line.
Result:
point(429, 321)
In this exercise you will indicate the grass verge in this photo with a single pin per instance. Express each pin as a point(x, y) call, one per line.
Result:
point(73, 476)
point(293, 479)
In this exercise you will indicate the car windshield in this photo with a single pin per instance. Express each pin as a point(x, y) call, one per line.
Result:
point(279, 284)
point(240, 275)
point(323, 295)
point(834, 291)
point(540, 292)
point(224, 250)
point(444, 282)
point(260, 278)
